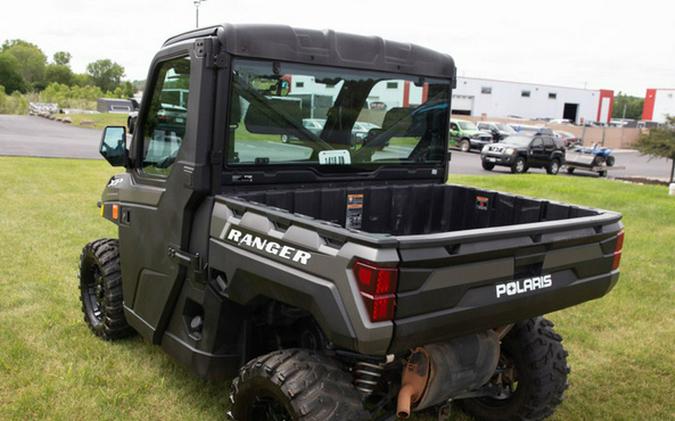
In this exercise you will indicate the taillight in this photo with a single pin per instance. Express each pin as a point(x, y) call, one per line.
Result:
point(378, 289)
point(617, 250)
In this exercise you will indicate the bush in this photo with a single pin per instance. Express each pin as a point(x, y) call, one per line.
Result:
point(12, 104)
point(83, 97)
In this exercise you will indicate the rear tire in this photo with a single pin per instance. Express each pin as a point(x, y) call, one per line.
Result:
point(487, 165)
point(602, 173)
point(610, 160)
point(284, 138)
point(554, 167)
point(101, 290)
point(295, 384)
point(539, 362)
point(570, 170)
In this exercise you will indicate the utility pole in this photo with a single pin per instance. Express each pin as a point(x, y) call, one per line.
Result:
point(623, 122)
point(197, 3)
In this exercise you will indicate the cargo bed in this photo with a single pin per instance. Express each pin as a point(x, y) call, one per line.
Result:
point(455, 247)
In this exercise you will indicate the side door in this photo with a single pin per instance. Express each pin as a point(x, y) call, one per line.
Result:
point(454, 133)
point(549, 148)
point(537, 152)
point(158, 205)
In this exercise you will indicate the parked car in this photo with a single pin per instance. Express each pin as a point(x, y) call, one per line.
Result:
point(522, 152)
point(466, 136)
point(315, 125)
point(528, 129)
point(361, 129)
point(560, 121)
point(499, 131)
point(568, 139)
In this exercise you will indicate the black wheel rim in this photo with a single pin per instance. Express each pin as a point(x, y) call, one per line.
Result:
point(507, 379)
point(269, 408)
point(93, 293)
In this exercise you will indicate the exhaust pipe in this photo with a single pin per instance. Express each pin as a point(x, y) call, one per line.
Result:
point(413, 381)
point(437, 372)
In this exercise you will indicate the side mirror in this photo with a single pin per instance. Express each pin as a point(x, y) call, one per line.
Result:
point(114, 145)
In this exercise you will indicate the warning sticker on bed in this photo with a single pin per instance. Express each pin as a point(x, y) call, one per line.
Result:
point(482, 202)
point(354, 211)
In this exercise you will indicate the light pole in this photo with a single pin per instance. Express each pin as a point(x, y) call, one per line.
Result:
point(197, 3)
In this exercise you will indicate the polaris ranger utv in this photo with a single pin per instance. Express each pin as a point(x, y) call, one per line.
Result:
point(332, 282)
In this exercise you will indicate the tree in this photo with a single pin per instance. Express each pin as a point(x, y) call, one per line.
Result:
point(59, 73)
point(31, 60)
point(633, 105)
point(10, 77)
point(82, 79)
point(105, 74)
point(62, 58)
point(660, 142)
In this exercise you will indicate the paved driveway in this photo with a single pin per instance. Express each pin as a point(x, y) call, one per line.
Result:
point(35, 136)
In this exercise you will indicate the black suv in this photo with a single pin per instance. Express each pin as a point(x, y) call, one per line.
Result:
point(521, 152)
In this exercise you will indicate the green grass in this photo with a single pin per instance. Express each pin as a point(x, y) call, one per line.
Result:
point(620, 347)
point(100, 120)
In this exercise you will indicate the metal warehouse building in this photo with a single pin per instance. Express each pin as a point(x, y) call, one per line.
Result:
point(477, 97)
point(499, 98)
point(658, 104)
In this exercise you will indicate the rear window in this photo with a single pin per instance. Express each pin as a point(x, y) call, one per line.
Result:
point(293, 114)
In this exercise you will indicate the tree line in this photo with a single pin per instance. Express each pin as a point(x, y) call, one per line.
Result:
point(26, 72)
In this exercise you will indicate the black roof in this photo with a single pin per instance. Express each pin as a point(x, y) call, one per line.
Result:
point(284, 43)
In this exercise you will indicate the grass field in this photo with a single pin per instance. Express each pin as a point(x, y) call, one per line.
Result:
point(621, 347)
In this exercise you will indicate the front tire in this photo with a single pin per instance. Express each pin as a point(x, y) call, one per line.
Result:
point(487, 165)
point(465, 145)
point(610, 160)
point(534, 363)
point(519, 166)
point(295, 384)
point(101, 290)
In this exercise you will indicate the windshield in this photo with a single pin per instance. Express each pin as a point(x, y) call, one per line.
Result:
point(283, 114)
point(506, 128)
point(467, 125)
point(518, 140)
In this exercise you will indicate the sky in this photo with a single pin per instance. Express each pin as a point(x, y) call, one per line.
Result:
point(626, 46)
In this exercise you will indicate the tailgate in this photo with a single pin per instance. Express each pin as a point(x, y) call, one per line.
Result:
point(484, 278)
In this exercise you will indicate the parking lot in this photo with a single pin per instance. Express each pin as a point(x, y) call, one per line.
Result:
point(39, 137)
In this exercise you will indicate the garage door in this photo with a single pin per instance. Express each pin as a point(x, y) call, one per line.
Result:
point(462, 104)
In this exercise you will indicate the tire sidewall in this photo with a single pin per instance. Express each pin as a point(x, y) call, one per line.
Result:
point(89, 263)
point(515, 166)
point(554, 167)
point(254, 387)
point(541, 371)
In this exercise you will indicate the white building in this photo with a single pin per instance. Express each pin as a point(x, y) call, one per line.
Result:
point(658, 104)
point(477, 97)
point(499, 98)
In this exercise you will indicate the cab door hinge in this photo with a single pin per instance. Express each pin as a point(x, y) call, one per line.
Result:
point(209, 49)
point(193, 262)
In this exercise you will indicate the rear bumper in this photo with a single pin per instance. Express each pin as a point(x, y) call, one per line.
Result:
point(480, 309)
